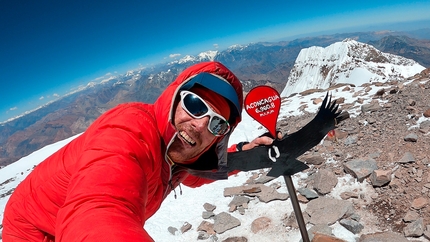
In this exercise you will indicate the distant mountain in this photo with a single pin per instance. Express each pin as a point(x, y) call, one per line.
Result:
point(416, 49)
point(255, 64)
point(348, 61)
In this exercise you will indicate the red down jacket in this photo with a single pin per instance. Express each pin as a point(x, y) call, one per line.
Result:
point(107, 182)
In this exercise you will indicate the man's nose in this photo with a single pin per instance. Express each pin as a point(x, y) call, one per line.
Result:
point(200, 124)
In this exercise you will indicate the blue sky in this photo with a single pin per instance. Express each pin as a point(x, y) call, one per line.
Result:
point(49, 47)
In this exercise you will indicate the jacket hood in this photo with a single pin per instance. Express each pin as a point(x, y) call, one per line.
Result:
point(215, 76)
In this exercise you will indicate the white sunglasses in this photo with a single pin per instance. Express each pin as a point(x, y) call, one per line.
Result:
point(196, 107)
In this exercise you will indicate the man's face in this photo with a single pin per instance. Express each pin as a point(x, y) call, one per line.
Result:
point(193, 136)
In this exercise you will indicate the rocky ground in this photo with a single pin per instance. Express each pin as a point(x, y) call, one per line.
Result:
point(386, 145)
point(393, 150)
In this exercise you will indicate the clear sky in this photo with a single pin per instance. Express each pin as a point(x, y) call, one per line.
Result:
point(48, 47)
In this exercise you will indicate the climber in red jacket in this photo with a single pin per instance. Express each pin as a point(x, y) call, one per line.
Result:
point(107, 182)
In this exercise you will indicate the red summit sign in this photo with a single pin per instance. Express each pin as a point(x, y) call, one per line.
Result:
point(263, 104)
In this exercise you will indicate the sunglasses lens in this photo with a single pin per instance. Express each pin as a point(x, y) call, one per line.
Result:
point(194, 105)
point(218, 126)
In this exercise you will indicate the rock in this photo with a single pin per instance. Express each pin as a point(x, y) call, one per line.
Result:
point(252, 190)
point(347, 88)
point(317, 101)
point(325, 238)
point(340, 100)
point(308, 193)
point(239, 201)
point(224, 221)
point(371, 107)
point(393, 90)
point(264, 179)
point(339, 134)
point(352, 225)
point(320, 229)
point(355, 217)
point(427, 113)
point(419, 203)
point(380, 178)
point(291, 220)
point(324, 181)
point(206, 227)
point(236, 239)
point(172, 230)
point(380, 92)
point(427, 232)
point(348, 195)
point(260, 224)
point(383, 237)
point(350, 140)
point(425, 124)
point(360, 168)
point(185, 227)
point(206, 214)
point(241, 210)
point(203, 235)
point(209, 207)
point(313, 159)
point(388, 105)
point(411, 137)
point(371, 120)
point(408, 157)
point(326, 210)
point(411, 216)
point(302, 199)
point(414, 229)
point(266, 195)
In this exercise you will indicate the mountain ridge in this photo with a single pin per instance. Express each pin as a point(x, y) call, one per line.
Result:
point(348, 61)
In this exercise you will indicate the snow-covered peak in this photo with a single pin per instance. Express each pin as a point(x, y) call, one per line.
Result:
point(236, 47)
point(348, 61)
point(209, 55)
point(203, 56)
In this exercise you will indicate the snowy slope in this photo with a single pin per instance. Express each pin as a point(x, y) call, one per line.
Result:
point(348, 61)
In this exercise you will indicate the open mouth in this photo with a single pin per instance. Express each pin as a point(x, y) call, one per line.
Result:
point(187, 138)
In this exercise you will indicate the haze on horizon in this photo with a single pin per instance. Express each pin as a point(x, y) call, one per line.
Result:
point(52, 47)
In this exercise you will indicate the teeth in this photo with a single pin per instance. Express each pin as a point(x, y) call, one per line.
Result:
point(186, 137)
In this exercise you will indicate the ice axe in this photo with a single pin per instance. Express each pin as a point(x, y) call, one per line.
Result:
point(263, 104)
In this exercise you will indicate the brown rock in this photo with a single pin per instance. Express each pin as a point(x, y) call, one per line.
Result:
point(236, 239)
point(313, 159)
point(324, 181)
point(185, 227)
point(207, 227)
point(383, 237)
point(348, 195)
point(260, 224)
point(318, 237)
point(340, 134)
point(380, 177)
point(419, 203)
point(411, 216)
point(317, 101)
point(427, 113)
point(302, 198)
point(340, 100)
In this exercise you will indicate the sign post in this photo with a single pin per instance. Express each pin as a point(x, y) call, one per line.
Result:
point(263, 103)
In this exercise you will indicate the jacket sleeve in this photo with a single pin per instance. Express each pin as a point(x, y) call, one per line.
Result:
point(194, 181)
point(107, 196)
